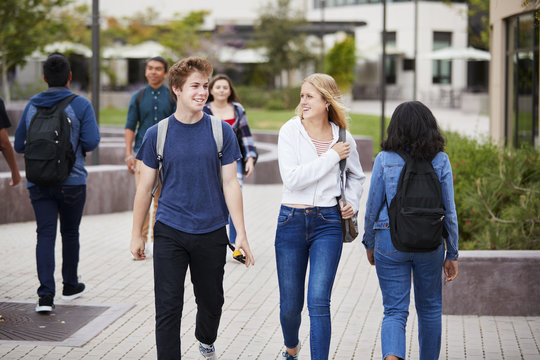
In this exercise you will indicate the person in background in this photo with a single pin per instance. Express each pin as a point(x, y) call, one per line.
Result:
point(223, 102)
point(412, 129)
point(147, 107)
point(5, 146)
point(64, 201)
point(192, 212)
point(309, 223)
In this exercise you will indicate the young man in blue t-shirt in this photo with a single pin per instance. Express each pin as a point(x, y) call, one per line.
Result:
point(192, 212)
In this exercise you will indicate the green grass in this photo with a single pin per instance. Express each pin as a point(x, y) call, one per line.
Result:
point(112, 117)
point(360, 124)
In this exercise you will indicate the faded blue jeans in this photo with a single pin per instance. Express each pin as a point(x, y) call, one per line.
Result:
point(396, 270)
point(311, 235)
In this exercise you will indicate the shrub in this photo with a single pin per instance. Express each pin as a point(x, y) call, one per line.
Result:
point(497, 194)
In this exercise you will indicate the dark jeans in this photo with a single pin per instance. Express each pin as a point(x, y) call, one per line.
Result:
point(205, 254)
point(49, 203)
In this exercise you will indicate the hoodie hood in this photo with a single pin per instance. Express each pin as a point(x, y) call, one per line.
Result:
point(50, 97)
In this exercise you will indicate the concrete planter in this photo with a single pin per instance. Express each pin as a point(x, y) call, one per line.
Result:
point(496, 283)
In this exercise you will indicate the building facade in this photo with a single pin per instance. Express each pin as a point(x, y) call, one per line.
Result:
point(514, 72)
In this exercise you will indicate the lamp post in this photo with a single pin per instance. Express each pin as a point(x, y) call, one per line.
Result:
point(383, 72)
point(95, 69)
point(322, 3)
point(415, 48)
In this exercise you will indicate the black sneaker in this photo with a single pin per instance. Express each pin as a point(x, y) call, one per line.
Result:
point(45, 304)
point(72, 292)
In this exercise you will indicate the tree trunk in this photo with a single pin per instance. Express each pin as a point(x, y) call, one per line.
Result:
point(5, 85)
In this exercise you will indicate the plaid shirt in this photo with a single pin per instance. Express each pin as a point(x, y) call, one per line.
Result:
point(240, 124)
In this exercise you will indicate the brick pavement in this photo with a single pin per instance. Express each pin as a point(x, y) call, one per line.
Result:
point(250, 323)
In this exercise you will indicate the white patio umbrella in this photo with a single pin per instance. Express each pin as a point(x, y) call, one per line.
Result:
point(143, 50)
point(62, 47)
point(450, 53)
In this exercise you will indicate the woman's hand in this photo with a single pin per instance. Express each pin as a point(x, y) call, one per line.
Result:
point(347, 211)
point(250, 166)
point(450, 270)
point(370, 254)
point(343, 149)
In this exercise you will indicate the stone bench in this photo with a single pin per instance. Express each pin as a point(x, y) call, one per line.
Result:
point(495, 283)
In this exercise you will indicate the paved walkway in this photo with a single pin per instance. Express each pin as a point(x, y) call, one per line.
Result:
point(250, 324)
point(466, 123)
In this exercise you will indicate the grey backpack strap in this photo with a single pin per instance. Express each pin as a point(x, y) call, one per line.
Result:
point(160, 144)
point(342, 165)
point(217, 131)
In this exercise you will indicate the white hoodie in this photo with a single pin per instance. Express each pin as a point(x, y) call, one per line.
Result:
point(309, 179)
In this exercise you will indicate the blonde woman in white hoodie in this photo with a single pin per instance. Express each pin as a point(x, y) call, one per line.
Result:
point(309, 223)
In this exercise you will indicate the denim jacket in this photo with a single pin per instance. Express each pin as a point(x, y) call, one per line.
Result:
point(384, 180)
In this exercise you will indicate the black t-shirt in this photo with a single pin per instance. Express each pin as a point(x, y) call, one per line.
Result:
point(4, 120)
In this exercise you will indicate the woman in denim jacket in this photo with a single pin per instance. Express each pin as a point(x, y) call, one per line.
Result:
point(309, 223)
point(413, 128)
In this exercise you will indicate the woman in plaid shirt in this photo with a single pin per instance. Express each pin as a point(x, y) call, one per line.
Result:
point(224, 103)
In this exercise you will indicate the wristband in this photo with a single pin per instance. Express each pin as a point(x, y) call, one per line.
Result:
point(129, 157)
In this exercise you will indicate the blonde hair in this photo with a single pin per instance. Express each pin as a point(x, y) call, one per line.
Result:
point(180, 71)
point(327, 87)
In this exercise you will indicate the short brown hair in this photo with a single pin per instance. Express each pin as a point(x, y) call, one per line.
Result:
point(179, 72)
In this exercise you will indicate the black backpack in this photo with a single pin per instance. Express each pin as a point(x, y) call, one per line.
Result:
point(417, 211)
point(48, 154)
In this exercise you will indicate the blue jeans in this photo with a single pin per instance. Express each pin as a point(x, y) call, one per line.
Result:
point(313, 234)
point(394, 270)
point(49, 203)
point(240, 178)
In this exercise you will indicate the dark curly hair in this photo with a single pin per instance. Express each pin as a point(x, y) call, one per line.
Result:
point(413, 128)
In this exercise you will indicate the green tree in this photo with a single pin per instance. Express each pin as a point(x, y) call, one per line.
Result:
point(478, 28)
point(25, 25)
point(340, 62)
point(278, 30)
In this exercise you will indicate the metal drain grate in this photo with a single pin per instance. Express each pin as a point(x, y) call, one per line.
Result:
point(20, 322)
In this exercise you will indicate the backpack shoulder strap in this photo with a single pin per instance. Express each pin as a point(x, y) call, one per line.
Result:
point(217, 130)
point(160, 144)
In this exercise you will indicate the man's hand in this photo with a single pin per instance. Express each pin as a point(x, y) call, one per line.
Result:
point(130, 163)
point(241, 243)
point(137, 247)
point(15, 178)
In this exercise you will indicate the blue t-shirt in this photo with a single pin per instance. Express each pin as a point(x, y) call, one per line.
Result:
point(191, 197)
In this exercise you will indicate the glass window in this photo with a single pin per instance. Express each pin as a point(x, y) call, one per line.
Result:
point(522, 80)
point(442, 69)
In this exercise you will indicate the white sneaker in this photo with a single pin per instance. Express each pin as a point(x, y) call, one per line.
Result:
point(208, 352)
point(149, 249)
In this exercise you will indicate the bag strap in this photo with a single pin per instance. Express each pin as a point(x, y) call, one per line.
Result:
point(160, 144)
point(217, 131)
point(342, 165)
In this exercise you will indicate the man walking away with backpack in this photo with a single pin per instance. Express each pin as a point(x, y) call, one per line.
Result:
point(147, 107)
point(411, 196)
point(50, 119)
